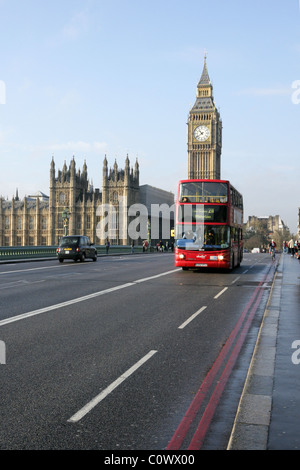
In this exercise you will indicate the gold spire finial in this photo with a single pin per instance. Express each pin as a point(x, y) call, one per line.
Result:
point(205, 55)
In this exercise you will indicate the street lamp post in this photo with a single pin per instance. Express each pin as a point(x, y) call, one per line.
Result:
point(66, 218)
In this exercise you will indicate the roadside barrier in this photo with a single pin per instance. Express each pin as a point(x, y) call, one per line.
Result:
point(32, 252)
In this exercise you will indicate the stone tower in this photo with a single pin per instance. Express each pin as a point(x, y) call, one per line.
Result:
point(204, 139)
point(72, 189)
point(121, 190)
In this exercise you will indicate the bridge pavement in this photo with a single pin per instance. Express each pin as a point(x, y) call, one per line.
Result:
point(268, 417)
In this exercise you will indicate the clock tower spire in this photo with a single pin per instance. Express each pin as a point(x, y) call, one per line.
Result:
point(204, 133)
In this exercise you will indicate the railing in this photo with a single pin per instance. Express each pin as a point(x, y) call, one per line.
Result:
point(28, 252)
point(23, 252)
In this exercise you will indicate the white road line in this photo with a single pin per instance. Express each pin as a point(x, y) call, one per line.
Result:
point(191, 318)
point(220, 293)
point(157, 275)
point(23, 316)
point(9, 285)
point(236, 279)
point(96, 400)
point(29, 269)
point(23, 282)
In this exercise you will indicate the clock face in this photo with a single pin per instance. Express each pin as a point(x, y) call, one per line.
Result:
point(201, 133)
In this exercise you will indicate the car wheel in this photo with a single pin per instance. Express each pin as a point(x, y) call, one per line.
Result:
point(95, 258)
point(82, 257)
point(61, 260)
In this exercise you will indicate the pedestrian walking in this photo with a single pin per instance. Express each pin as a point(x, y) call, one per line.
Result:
point(292, 247)
point(272, 248)
point(107, 245)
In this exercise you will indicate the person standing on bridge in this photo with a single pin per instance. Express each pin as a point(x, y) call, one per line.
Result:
point(107, 245)
point(292, 247)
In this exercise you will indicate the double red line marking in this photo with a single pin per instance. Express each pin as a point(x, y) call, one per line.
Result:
point(184, 426)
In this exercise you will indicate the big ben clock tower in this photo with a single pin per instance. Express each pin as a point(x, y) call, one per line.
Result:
point(204, 139)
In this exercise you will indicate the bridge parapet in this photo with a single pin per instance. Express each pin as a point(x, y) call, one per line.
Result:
point(32, 252)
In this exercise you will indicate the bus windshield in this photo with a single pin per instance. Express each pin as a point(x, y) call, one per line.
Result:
point(202, 237)
point(203, 191)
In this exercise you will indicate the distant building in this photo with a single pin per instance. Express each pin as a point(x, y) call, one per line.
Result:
point(161, 211)
point(273, 223)
point(37, 219)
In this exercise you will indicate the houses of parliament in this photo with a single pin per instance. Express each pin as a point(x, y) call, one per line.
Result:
point(37, 219)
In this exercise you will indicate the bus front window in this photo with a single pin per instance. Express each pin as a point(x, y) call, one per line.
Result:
point(217, 236)
point(203, 237)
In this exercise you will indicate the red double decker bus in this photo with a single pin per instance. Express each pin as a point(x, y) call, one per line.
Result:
point(208, 225)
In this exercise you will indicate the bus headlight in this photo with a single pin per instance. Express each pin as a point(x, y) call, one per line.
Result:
point(220, 257)
point(181, 256)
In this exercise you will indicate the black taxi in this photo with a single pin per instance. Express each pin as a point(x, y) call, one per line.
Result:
point(76, 247)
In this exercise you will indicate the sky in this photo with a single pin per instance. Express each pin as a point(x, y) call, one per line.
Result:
point(89, 78)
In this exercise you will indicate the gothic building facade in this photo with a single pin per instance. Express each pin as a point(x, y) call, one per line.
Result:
point(37, 220)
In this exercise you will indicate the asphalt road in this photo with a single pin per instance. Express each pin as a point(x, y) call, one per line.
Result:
point(127, 353)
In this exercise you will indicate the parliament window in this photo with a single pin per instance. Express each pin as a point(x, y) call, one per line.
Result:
point(62, 198)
